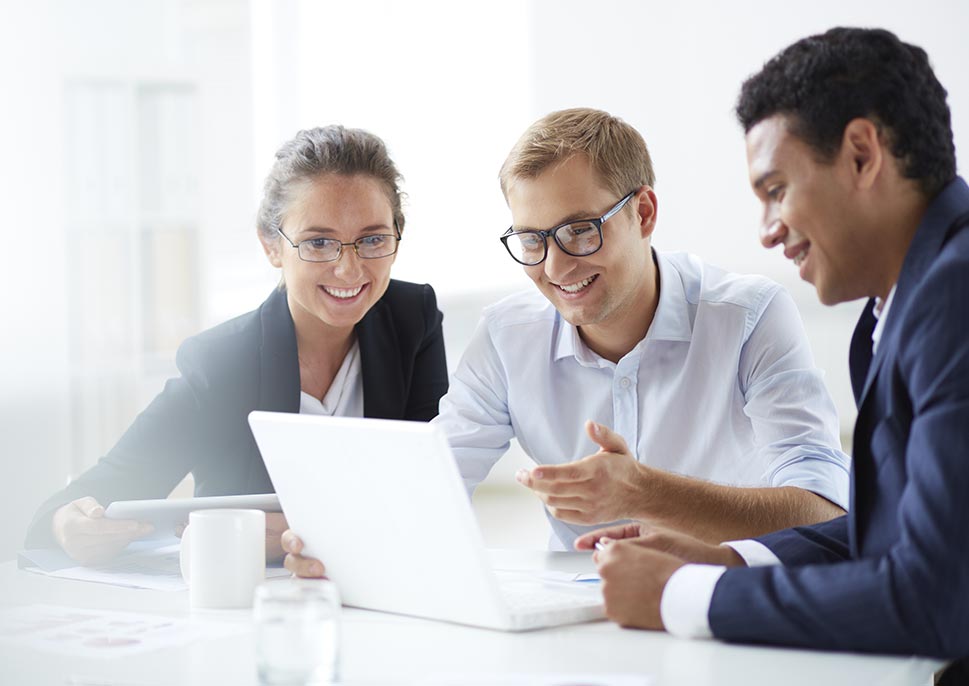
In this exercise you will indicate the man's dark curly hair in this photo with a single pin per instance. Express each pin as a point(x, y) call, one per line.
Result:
point(823, 82)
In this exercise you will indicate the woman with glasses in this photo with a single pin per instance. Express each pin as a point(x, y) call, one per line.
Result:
point(337, 337)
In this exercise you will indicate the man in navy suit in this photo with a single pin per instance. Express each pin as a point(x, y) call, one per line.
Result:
point(850, 151)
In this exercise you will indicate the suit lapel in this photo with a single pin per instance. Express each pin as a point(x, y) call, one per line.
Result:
point(383, 380)
point(942, 216)
point(278, 357)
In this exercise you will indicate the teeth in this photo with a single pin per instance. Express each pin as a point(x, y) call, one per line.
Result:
point(578, 286)
point(800, 257)
point(343, 292)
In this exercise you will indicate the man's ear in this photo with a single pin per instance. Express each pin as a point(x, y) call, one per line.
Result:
point(270, 246)
point(862, 147)
point(646, 207)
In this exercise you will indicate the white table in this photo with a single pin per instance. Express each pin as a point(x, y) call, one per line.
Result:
point(379, 648)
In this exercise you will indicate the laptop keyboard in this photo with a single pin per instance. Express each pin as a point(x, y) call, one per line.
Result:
point(538, 600)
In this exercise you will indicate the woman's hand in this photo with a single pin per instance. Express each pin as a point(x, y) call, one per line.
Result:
point(306, 567)
point(81, 529)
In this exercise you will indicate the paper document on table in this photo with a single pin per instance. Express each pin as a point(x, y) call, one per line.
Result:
point(148, 564)
point(539, 679)
point(100, 633)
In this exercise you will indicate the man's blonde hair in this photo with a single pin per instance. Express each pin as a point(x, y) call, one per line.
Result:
point(615, 149)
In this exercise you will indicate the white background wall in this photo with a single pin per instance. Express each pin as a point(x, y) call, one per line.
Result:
point(449, 86)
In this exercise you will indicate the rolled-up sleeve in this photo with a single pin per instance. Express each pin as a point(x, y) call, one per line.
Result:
point(794, 419)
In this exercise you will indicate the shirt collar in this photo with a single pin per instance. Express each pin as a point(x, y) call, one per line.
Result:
point(671, 322)
point(880, 312)
point(568, 343)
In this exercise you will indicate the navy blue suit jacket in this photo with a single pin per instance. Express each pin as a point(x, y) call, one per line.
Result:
point(198, 423)
point(892, 575)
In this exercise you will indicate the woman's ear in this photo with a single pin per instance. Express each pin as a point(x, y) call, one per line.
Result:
point(270, 246)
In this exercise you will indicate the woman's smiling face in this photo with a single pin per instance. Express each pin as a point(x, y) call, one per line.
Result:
point(339, 293)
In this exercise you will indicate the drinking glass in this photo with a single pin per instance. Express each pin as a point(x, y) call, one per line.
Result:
point(297, 623)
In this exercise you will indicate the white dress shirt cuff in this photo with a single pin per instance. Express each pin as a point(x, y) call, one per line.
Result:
point(685, 604)
point(755, 553)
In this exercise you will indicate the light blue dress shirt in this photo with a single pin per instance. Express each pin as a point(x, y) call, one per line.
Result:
point(723, 388)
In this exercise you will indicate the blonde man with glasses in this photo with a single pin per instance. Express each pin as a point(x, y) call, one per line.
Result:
point(646, 385)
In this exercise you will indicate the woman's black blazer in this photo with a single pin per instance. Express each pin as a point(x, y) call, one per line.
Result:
point(198, 423)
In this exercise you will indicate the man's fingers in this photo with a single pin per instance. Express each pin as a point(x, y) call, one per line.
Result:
point(564, 489)
point(631, 530)
point(604, 558)
point(617, 532)
point(588, 541)
point(567, 502)
point(89, 507)
point(558, 479)
point(607, 439)
point(614, 552)
point(571, 471)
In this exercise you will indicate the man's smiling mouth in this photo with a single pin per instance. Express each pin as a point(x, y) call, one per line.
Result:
point(578, 285)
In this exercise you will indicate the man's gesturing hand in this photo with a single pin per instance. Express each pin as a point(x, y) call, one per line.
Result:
point(602, 487)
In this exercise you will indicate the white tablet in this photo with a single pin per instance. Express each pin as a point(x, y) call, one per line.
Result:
point(168, 513)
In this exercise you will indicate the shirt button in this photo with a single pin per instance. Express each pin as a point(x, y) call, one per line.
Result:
point(624, 382)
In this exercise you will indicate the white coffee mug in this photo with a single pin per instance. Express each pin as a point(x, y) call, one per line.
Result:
point(223, 557)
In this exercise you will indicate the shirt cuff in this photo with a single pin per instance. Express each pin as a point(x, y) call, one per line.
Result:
point(684, 606)
point(755, 553)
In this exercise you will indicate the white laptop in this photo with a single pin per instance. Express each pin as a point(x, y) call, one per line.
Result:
point(383, 505)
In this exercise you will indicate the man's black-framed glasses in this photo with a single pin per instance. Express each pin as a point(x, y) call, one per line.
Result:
point(578, 238)
point(369, 247)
